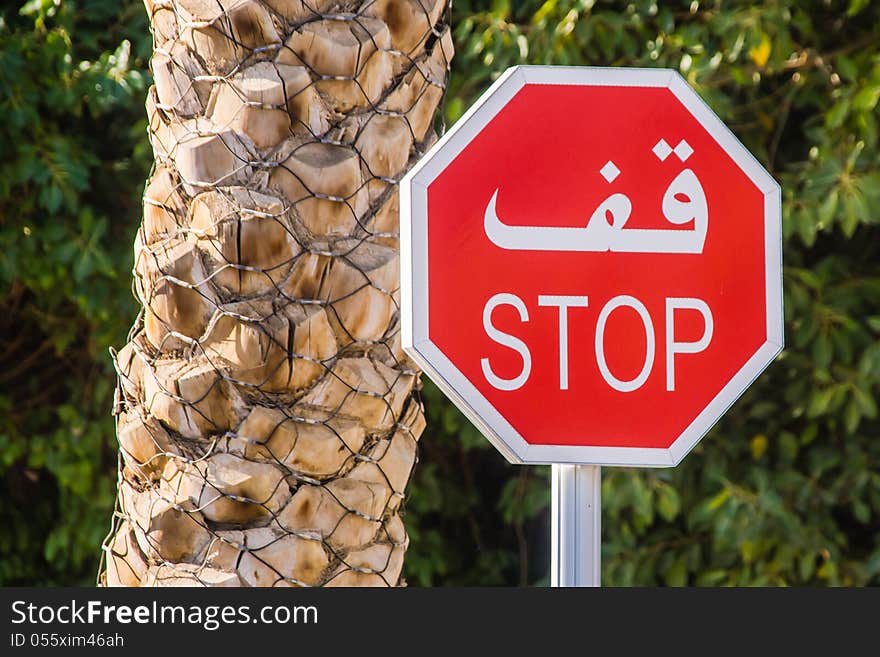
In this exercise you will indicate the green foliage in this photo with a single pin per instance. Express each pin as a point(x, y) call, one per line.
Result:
point(74, 158)
point(785, 490)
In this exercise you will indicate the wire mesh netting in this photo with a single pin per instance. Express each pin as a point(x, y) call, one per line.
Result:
point(265, 411)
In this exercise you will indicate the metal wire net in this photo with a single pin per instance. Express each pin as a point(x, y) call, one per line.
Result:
point(265, 410)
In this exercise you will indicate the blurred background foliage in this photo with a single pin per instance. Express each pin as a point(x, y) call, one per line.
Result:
point(785, 490)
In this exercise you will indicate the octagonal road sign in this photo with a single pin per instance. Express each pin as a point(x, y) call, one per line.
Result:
point(591, 266)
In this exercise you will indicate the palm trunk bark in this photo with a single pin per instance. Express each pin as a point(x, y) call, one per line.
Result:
point(265, 409)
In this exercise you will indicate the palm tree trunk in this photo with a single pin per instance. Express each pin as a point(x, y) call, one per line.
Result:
point(265, 409)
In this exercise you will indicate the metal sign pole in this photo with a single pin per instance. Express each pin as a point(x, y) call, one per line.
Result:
point(576, 525)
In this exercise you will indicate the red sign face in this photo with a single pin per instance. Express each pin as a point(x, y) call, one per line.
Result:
point(591, 266)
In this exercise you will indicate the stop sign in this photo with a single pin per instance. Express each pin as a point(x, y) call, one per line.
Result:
point(591, 266)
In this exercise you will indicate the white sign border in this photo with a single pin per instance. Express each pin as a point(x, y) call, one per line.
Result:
point(414, 268)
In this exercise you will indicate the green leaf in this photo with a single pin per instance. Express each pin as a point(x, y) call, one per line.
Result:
point(861, 512)
point(865, 401)
point(819, 402)
point(806, 567)
point(822, 350)
point(719, 499)
point(676, 575)
point(851, 417)
point(788, 446)
point(828, 208)
point(712, 578)
point(856, 6)
point(668, 502)
point(866, 99)
point(835, 117)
